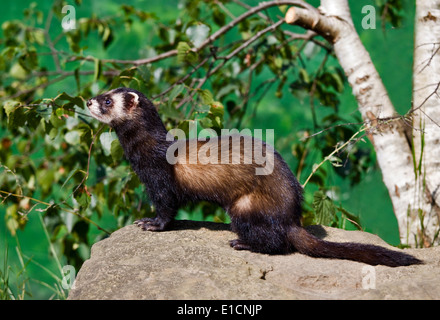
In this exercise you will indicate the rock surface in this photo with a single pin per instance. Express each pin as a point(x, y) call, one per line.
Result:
point(195, 261)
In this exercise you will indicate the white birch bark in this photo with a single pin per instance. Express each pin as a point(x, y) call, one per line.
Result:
point(426, 111)
point(394, 154)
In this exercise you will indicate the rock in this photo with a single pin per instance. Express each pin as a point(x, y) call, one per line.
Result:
point(195, 261)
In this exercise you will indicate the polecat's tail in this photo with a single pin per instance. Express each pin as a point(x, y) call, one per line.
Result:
point(310, 245)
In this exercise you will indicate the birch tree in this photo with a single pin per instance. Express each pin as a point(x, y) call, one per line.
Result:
point(408, 156)
point(426, 112)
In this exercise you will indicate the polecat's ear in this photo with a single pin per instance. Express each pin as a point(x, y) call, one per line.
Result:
point(133, 100)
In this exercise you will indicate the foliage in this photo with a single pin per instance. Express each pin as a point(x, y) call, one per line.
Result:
point(56, 160)
point(390, 11)
point(15, 280)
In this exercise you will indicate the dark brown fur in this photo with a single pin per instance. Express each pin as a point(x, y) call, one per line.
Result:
point(265, 210)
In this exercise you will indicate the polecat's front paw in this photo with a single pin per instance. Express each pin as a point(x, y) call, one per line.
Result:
point(151, 224)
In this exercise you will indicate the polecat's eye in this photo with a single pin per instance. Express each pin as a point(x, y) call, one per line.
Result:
point(108, 101)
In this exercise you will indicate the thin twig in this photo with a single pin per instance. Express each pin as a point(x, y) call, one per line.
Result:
point(86, 176)
point(245, 45)
point(49, 205)
point(331, 155)
point(332, 127)
point(50, 44)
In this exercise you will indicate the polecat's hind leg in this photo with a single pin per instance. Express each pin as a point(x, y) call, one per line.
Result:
point(238, 244)
point(260, 232)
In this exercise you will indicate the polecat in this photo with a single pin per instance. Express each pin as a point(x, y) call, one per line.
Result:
point(265, 209)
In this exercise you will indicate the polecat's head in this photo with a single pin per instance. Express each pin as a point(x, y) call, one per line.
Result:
point(115, 106)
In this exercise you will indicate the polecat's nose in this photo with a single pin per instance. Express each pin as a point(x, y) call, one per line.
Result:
point(89, 102)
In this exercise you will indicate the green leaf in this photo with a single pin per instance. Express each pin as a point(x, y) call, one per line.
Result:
point(116, 150)
point(10, 106)
point(46, 179)
point(198, 34)
point(56, 121)
point(37, 35)
point(18, 72)
point(29, 60)
point(75, 100)
point(182, 49)
point(106, 140)
point(33, 119)
point(71, 174)
point(73, 38)
point(53, 132)
point(338, 82)
point(59, 112)
point(17, 118)
point(325, 210)
point(82, 197)
point(72, 137)
point(304, 76)
point(124, 78)
point(175, 92)
point(185, 53)
point(218, 16)
point(10, 217)
point(204, 108)
point(107, 36)
point(335, 161)
point(283, 9)
point(97, 70)
point(217, 108)
point(206, 122)
point(311, 50)
point(206, 96)
point(77, 79)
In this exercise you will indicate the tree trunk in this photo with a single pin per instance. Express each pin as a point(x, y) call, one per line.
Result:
point(386, 129)
point(426, 112)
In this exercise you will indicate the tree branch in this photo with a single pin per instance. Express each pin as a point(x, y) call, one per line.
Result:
point(246, 44)
point(262, 6)
point(328, 27)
